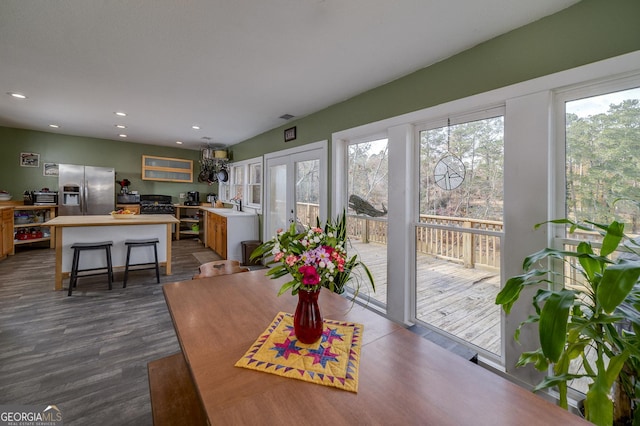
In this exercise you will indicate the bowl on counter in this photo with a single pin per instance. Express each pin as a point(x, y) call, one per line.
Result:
point(122, 215)
point(5, 196)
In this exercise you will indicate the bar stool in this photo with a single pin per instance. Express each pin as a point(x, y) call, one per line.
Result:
point(75, 265)
point(153, 265)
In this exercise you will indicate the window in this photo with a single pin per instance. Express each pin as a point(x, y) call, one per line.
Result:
point(600, 137)
point(238, 180)
point(245, 181)
point(367, 227)
point(254, 184)
point(459, 230)
point(533, 191)
point(603, 158)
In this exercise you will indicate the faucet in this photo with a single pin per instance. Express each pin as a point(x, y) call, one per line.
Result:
point(238, 201)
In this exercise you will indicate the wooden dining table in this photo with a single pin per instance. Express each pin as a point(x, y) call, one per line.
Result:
point(404, 379)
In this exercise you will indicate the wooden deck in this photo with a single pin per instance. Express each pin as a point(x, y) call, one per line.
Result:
point(455, 299)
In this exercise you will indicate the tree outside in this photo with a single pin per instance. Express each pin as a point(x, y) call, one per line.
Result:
point(603, 161)
point(479, 146)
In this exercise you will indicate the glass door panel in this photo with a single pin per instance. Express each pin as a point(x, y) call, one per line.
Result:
point(277, 217)
point(367, 182)
point(307, 192)
point(296, 187)
point(459, 231)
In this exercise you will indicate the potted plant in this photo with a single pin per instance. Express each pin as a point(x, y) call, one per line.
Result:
point(583, 319)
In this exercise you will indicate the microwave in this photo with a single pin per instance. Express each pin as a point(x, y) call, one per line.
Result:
point(44, 198)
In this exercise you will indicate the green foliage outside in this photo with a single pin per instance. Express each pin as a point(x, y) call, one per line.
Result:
point(603, 165)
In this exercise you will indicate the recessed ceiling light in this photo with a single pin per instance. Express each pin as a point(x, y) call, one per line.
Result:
point(179, 142)
point(121, 126)
point(194, 127)
point(120, 113)
point(122, 135)
point(17, 95)
point(55, 126)
point(287, 116)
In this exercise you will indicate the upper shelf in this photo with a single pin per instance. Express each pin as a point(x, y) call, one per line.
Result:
point(167, 169)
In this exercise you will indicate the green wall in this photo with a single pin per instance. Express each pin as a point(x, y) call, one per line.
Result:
point(587, 32)
point(125, 157)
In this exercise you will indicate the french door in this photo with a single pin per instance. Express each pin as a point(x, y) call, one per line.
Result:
point(296, 187)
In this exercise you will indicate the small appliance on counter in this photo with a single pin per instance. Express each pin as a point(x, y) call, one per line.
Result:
point(44, 197)
point(212, 198)
point(193, 198)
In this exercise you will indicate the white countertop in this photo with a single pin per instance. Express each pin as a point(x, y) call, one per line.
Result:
point(226, 212)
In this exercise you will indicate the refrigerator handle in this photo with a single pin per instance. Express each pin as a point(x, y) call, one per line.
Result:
point(84, 200)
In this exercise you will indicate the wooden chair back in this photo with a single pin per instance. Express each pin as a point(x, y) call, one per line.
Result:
point(219, 267)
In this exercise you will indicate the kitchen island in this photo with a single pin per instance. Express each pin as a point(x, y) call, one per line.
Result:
point(95, 228)
point(225, 229)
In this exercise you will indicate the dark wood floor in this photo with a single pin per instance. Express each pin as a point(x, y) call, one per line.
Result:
point(87, 353)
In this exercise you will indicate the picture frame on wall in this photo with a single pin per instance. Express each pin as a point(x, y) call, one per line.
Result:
point(289, 134)
point(50, 169)
point(29, 159)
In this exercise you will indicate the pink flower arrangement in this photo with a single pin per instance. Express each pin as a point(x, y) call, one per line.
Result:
point(314, 257)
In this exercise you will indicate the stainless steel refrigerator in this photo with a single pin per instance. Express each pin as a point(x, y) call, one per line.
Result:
point(85, 190)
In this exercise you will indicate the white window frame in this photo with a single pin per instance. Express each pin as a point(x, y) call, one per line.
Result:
point(530, 189)
point(245, 167)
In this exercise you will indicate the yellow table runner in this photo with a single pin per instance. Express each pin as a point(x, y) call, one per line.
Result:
point(332, 361)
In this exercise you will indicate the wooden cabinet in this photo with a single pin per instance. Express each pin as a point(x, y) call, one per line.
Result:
point(6, 232)
point(189, 217)
point(217, 234)
point(29, 227)
point(226, 230)
point(167, 169)
point(135, 208)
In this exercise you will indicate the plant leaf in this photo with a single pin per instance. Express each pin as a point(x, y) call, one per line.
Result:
point(553, 323)
point(550, 381)
point(616, 283)
point(590, 265)
point(598, 406)
point(286, 286)
point(536, 357)
point(611, 241)
point(514, 285)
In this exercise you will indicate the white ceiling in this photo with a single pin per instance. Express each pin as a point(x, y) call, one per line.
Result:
point(232, 67)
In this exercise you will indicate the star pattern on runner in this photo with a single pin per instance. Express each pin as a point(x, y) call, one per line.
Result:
point(322, 355)
point(331, 334)
point(286, 348)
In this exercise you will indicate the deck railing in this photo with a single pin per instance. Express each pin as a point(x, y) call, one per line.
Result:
point(471, 242)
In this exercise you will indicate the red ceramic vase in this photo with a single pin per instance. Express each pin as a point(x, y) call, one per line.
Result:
point(307, 321)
